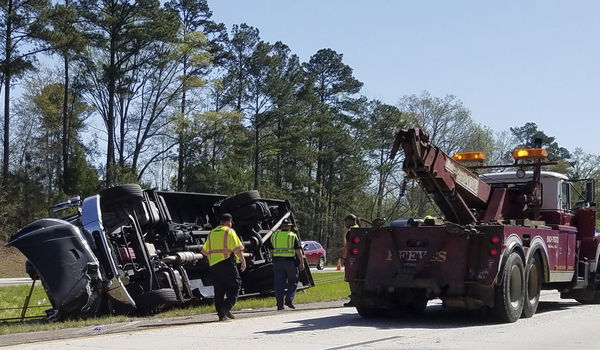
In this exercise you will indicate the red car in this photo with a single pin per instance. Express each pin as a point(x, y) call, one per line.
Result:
point(315, 254)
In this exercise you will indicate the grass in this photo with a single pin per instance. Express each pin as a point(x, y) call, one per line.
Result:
point(12, 299)
point(329, 286)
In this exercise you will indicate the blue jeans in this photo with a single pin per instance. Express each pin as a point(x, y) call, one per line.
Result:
point(285, 277)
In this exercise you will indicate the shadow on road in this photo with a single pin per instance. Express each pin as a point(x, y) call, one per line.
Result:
point(435, 317)
point(548, 306)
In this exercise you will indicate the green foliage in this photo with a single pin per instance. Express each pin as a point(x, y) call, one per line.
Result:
point(20, 201)
point(124, 174)
point(82, 177)
point(182, 103)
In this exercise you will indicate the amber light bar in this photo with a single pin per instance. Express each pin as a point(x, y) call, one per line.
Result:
point(529, 153)
point(469, 157)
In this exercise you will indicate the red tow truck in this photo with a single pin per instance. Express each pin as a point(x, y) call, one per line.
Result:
point(504, 237)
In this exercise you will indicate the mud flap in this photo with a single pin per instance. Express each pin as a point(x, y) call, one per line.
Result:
point(306, 276)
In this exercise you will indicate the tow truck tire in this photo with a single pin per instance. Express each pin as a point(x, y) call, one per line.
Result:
point(321, 263)
point(418, 304)
point(510, 294)
point(368, 312)
point(533, 286)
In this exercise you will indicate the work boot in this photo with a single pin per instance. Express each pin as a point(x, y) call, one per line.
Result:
point(290, 305)
point(280, 308)
point(222, 318)
point(230, 315)
point(349, 304)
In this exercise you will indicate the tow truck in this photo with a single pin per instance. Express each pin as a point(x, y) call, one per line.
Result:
point(503, 237)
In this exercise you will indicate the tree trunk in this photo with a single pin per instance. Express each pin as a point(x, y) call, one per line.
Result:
point(65, 125)
point(122, 119)
point(6, 141)
point(213, 160)
point(381, 185)
point(279, 160)
point(256, 152)
point(7, 76)
point(319, 193)
point(181, 153)
point(110, 118)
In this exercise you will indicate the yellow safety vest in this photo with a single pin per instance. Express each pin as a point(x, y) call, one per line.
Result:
point(283, 244)
point(221, 243)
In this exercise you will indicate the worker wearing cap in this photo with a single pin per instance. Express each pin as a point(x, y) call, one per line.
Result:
point(224, 250)
point(350, 221)
point(284, 245)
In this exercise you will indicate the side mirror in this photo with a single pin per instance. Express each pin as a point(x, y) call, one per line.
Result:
point(590, 191)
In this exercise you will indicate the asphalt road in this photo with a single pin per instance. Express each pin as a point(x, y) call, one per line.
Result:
point(559, 324)
point(14, 281)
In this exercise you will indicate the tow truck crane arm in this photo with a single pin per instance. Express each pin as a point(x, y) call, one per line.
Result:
point(457, 191)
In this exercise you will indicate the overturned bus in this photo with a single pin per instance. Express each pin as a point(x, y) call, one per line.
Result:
point(129, 249)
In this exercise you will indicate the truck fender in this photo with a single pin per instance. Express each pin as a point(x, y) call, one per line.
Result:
point(538, 245)
point(513, 244)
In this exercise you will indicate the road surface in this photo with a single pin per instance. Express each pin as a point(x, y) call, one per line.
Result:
point(14, 281)
point(559, 324)
point(325, 270)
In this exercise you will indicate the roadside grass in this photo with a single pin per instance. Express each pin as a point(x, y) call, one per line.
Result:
point(329, 286)
point(12, 299)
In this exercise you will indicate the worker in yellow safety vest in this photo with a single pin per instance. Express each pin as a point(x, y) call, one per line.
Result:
point(350, 221)
point(284, 245)
point(224, 250)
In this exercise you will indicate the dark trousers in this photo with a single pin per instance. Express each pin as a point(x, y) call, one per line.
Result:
point(227, 282)
point(286, 276)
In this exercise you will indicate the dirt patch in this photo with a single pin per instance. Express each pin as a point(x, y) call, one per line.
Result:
point(12, 262)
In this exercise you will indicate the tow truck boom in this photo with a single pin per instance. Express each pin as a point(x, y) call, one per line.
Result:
point(457, 191)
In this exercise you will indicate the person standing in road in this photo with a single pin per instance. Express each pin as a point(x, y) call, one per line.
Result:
point(350, 221)
point(224, 250)
point(284, 245)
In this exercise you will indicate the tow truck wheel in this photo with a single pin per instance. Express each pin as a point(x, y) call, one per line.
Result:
point(533, 276)
point(510, 294)
point(418, 304)
point(368, 312)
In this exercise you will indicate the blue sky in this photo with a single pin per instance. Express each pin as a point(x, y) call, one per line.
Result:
point(508, 61)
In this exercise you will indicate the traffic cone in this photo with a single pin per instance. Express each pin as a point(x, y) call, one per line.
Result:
point(339, 266)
